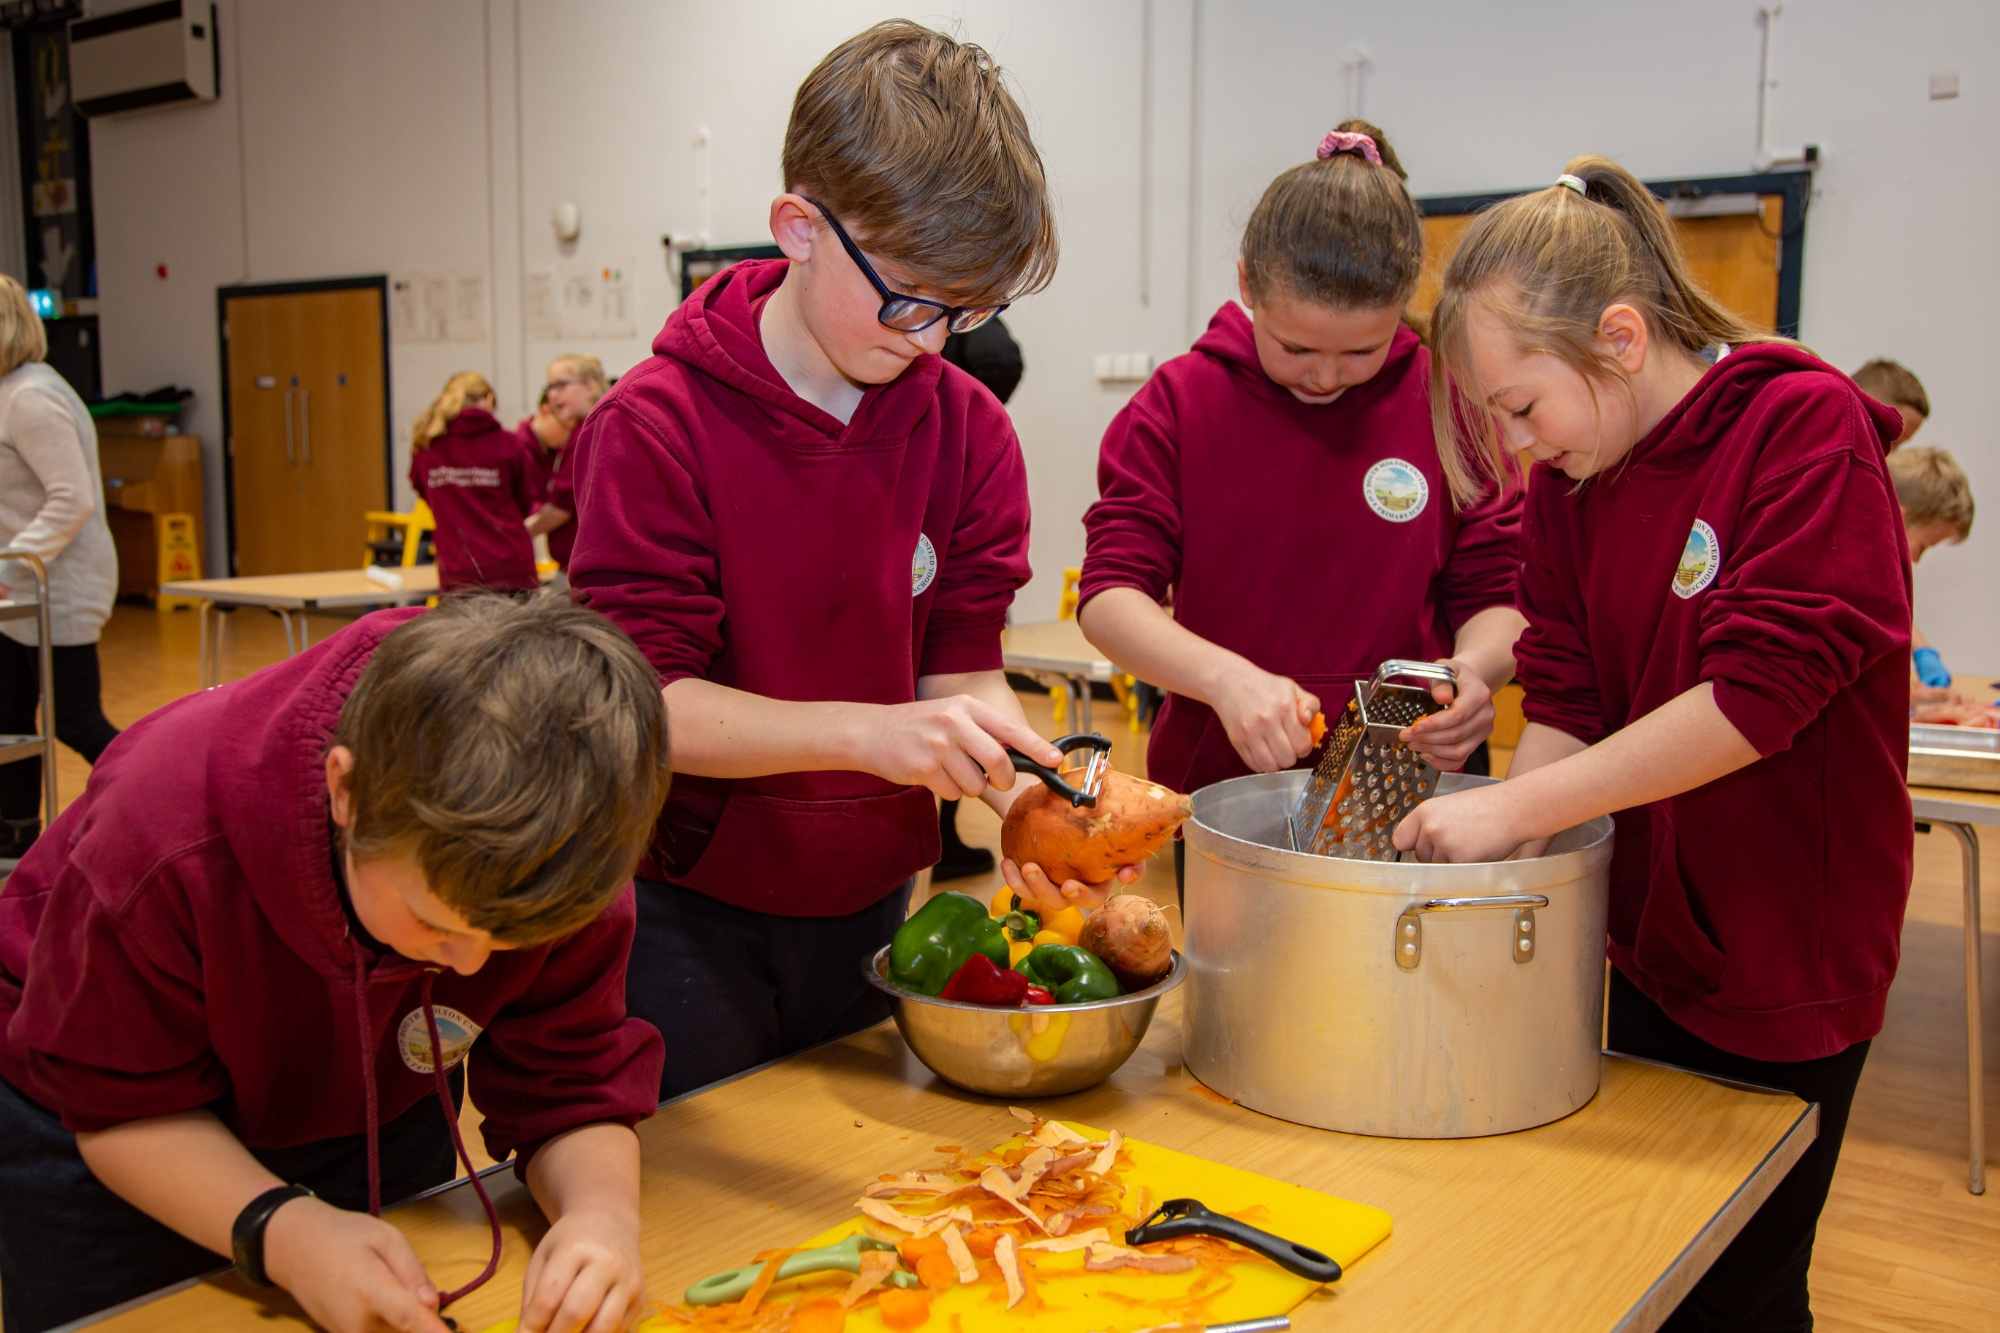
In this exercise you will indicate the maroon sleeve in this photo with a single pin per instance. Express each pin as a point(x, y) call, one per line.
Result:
point(112, 1021)
point(527, 490)
point(417, 474)
point(1818, 587)
point(1485, 560)
point(645, 546)
point(1132, 534)
point(564, 1053)
point(987, 557)
point(532, 459)
point(1552, 656)
point(561, 491)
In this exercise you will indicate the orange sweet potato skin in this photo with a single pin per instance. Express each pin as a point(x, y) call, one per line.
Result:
point(1133, 819)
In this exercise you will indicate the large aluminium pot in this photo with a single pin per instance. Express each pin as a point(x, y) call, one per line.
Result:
point(1407, 1000)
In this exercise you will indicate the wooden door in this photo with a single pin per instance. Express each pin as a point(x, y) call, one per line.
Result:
point(308, 444)
point(1734, 256)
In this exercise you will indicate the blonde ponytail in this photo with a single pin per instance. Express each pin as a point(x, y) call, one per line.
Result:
point(465, 387)
point(1547, 265)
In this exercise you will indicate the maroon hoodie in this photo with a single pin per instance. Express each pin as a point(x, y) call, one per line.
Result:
point(1316, 541)
point(1753, 540)
point(742, 535)
point(551, 482)
point(176, 940)
point(480, 485)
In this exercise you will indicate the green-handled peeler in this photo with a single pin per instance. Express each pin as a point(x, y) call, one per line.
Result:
point(844, 1257)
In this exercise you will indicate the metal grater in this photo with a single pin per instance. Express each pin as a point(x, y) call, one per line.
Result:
point(1367, 780)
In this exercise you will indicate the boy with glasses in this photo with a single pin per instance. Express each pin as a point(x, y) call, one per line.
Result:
point(813, 527)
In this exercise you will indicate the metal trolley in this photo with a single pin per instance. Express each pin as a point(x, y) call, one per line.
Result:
point(13, 748)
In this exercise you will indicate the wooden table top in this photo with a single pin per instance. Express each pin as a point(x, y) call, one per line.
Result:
point(1600, 1221)
point(333, 587)
point(1053, 645)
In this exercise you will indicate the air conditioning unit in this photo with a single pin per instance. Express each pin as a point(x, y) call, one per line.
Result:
point(150, 56)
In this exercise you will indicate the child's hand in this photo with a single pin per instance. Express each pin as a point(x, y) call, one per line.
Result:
point(1478, 824)
point(584, 1276)
point(1267, 718)
point(351, 1272)
point(955, 746)
point(1448, 739)
point(1042, 894)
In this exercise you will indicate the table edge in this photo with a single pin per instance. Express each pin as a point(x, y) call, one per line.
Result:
point(1664, 1296)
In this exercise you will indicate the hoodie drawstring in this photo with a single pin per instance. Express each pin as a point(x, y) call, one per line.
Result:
point(450, 1119)
point(363, 1029)
point(457, 1143)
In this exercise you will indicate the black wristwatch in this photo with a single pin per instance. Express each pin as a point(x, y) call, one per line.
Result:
point(246, 1238)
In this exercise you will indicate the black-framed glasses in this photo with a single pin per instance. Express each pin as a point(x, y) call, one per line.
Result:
point(907, 314)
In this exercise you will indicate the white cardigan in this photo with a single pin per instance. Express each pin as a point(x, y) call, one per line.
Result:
point(52, 504)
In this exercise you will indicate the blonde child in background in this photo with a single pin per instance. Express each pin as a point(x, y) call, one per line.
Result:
point(1891, 382)
point(476, 478)
point(1936, 497)
point(576, 381)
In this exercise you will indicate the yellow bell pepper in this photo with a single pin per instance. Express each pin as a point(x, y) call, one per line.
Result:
point(1019, 949)
point(1002, 902)
point(1066, 926)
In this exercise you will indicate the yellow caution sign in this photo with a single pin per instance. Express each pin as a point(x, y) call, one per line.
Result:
point(180, 559)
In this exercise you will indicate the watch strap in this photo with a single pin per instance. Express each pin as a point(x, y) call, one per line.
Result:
point(246, 1237)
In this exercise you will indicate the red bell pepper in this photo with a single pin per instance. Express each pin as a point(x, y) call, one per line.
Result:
point(979, 980)
point(1036, 995)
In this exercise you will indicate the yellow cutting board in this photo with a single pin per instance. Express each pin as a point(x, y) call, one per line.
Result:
point(1076, 1301)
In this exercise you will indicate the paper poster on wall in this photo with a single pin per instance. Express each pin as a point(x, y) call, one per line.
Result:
point(406, 312)
point(578, 317)
point(467, 319)
point(615, 300)
point(436, 309)
point(539, 318)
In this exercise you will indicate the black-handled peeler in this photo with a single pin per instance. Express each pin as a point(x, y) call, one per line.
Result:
point(1186, 1217)
point(1093, 776)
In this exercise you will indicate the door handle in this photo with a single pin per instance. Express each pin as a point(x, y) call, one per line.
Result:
point(289, 458)
point(305, 424)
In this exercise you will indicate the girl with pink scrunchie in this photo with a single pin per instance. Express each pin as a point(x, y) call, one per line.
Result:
point(1252, 479)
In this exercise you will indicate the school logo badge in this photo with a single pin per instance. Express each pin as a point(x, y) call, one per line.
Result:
point(456, 1033)
point(1701, 558)
point(1395, 490)
point(923, 566)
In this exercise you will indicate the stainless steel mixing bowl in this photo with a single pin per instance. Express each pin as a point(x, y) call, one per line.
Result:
point(1031, 1052)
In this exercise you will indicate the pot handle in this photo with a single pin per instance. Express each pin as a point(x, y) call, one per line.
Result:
point(1408, 944)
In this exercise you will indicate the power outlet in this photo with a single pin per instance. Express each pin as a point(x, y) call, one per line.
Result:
point(1124, 367)
point(1944, 84)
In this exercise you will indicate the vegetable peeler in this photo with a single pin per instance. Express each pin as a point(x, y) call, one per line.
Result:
point(1187, 1217)
point(1093, 773)
point(844, 1257)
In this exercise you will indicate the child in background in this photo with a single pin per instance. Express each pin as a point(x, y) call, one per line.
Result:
point(1257, 476)
point(478, 482)
point(1718, 605)
point(813, 527)
point(220, 968)
point(1891, 382)
point(1936, 498)
point(543, 436)
point(576, 382)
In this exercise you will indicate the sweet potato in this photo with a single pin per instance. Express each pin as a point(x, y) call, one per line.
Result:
point(1131, 935)
point(1133, 819)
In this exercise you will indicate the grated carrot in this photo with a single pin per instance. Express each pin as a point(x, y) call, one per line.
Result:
point(755, 1296)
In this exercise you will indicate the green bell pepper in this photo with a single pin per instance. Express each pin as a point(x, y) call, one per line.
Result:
point(1070, 972)
point(934, 944)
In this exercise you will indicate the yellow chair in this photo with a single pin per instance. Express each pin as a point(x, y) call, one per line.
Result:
point(1124, 686)
point(382, 522)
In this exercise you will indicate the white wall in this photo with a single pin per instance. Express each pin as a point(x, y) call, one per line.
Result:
point(384, 137)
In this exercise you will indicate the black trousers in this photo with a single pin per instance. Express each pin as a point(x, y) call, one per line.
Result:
point(69, 1247)
point(1759, 1282)
point(731, 989)
point(80, 720)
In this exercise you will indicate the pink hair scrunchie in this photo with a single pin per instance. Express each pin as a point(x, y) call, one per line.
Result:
point(1346, 141)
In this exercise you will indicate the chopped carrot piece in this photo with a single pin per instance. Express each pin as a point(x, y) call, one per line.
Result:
point(937, 1271)
point(821, 1316)
point(981, 1240)
point(905, 1309)
point(1318, 728)
point(755, 1296)
point(915, 1249)
point(948, 1147)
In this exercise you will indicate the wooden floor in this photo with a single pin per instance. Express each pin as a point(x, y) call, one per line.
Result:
point(1902, 1246)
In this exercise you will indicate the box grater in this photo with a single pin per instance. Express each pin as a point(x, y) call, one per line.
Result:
point(1367, 780)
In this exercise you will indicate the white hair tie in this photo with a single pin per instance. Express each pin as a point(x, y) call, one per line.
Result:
point(1575, 183)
